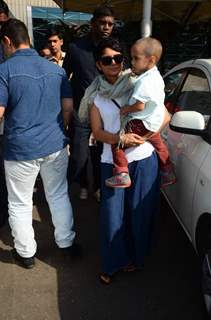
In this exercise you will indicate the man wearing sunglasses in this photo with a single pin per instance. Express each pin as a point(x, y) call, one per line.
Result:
point(79, 62)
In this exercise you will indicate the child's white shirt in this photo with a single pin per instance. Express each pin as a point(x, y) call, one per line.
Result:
point(149, 89)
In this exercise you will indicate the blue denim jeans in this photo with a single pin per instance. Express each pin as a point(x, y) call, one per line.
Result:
point(20, 179)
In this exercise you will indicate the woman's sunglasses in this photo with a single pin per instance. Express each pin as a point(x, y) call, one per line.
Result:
point(107, 60)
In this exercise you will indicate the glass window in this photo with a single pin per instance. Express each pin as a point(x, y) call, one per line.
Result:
point(171, 83)
point(43, 18)
point(195, 94)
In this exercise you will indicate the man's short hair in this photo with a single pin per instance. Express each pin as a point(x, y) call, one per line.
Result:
point(4, 8)
point(54, 31)
point(102, 11)
point(16, 31)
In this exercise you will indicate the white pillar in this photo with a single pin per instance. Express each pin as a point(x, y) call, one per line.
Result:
point(146, 26)
point(30, 24)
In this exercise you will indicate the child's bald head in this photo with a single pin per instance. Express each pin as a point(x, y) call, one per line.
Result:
point(150, 46)
point(145, 54)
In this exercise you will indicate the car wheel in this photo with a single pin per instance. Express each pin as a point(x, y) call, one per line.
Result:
point(203, 234)
point(203, 245)
point(206, 282)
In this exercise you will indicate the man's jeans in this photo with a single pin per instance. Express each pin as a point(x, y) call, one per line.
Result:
point(20, 179)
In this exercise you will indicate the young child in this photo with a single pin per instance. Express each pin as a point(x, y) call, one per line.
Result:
point(145, 113)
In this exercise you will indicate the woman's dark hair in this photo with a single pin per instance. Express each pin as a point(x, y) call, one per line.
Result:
point(4, 8)
point(102, 11)
point(111, 43)
point(16, 31)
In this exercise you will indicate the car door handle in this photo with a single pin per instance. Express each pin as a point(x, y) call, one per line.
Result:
point(202, 182)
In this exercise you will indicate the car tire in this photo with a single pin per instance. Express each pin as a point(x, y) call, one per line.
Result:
point(203, 234)
point(203, 246)
point(206, 282)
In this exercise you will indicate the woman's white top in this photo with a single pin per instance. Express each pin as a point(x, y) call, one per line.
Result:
point(110, 115)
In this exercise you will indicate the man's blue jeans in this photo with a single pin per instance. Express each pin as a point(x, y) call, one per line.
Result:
point(20, 179)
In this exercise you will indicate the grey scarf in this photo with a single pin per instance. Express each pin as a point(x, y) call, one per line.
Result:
point(122, 87)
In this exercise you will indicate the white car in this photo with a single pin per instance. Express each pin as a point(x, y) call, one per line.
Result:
point(188, 90)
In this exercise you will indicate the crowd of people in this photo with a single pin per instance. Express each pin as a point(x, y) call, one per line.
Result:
point(84, 99)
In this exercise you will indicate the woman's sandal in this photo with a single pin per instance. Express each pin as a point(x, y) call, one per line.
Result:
point(105, 278)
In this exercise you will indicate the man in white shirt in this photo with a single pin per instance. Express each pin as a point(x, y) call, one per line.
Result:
point(55, 43)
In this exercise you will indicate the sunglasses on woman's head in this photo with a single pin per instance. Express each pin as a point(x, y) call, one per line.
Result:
point(107, 60)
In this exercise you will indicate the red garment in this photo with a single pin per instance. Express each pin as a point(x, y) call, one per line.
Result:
point(137, 126)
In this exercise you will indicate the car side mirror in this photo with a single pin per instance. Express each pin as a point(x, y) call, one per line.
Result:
point(189, 122)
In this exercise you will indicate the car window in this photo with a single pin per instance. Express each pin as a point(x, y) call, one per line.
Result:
point(195, 93)
point(171, 83)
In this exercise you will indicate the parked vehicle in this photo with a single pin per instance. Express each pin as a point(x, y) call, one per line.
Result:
point(188, 90)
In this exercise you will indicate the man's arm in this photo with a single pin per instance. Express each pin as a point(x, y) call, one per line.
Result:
point(66, 101)
point(67, 110)
point(2, 110)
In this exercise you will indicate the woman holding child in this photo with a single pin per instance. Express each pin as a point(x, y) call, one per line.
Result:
point(127, 215)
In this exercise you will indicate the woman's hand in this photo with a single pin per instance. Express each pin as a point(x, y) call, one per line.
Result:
point(131, 139)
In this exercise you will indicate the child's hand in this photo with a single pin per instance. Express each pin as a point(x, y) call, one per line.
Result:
point(124, 110)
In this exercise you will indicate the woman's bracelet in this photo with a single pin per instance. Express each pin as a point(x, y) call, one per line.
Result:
point(121, 139)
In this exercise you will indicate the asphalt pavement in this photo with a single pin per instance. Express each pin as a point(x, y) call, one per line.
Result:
point(60, 288)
